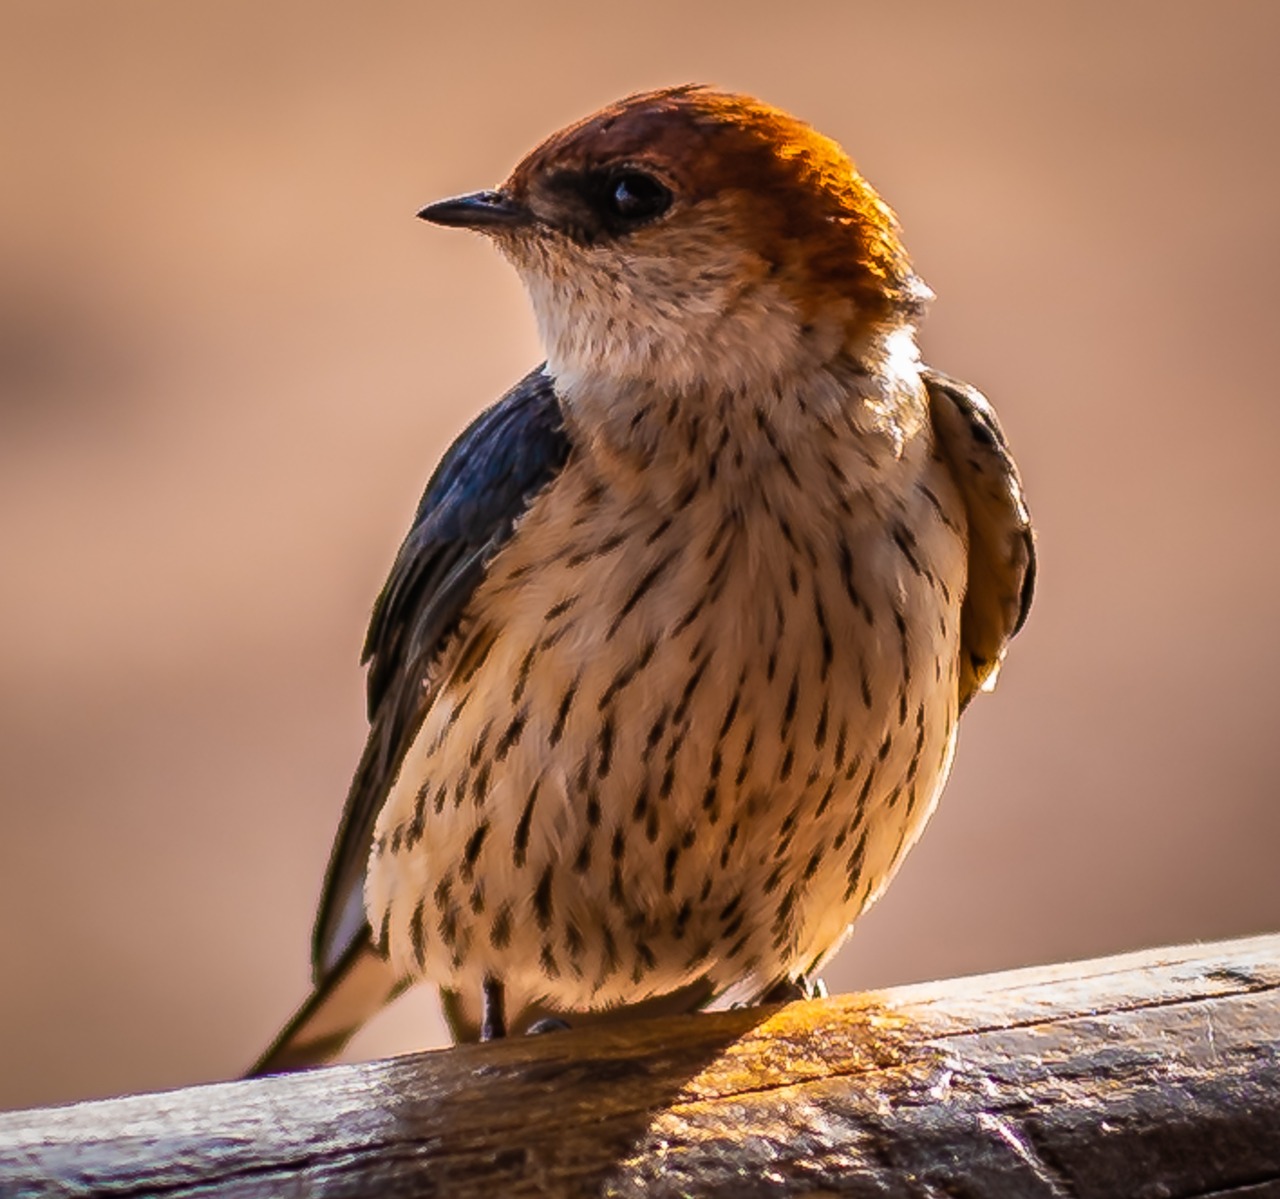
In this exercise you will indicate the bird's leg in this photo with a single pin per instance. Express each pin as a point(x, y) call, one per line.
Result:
point(493, 1020)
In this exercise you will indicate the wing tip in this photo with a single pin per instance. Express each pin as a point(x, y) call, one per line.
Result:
point(361, 983)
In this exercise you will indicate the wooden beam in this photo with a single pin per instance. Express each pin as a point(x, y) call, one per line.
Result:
point(1152, 1074)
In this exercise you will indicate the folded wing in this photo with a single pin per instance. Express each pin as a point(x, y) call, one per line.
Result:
point(1001, 543)
point(468, 511)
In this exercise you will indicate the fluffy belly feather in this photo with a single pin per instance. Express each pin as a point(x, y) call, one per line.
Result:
point(685, 732)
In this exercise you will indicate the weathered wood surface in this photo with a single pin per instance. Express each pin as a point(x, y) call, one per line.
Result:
point(1153, 1074)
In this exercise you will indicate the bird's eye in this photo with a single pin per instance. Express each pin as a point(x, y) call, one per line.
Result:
point(634, 197)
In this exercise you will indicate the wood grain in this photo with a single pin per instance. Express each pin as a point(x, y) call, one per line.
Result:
point(1151, 1074)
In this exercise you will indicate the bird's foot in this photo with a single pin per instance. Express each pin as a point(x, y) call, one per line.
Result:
point(547, 1024)
point(790, 989)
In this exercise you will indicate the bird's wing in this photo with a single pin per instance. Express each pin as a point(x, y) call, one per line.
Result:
point(357, 987)
point(1002, 561)
point(467, 512)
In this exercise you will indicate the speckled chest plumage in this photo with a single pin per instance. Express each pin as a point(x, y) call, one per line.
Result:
point(701, 706)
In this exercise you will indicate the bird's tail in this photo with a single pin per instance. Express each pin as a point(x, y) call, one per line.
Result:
point(363, 982)
point(360, 985)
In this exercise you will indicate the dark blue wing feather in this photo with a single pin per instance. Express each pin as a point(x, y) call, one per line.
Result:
point(468, 510)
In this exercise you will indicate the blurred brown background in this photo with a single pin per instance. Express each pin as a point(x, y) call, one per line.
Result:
point(229, 357)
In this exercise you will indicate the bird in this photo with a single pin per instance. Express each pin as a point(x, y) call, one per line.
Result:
point(665, 679)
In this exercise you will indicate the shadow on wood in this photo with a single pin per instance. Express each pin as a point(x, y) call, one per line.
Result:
point(1152, 1074)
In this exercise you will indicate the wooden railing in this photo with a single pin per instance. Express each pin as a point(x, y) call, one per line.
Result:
point(1151, 1074)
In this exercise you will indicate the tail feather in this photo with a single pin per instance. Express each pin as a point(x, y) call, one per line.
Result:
point(360, 984)
point(363, 982)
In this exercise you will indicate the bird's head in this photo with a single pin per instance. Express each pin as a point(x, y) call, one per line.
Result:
point(689, 239)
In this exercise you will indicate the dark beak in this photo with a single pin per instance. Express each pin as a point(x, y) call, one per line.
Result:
point(479, 210)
